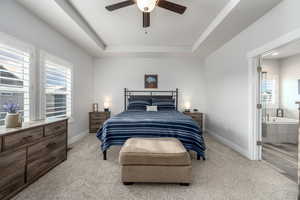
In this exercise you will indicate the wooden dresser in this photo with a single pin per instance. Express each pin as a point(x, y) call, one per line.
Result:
point(97, 119)
point(197, 116)
point(29, 152)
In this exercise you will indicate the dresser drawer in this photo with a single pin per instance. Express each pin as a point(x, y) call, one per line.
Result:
point(93, 121)
point(102, 115)
point(45, 155)
point(93, 130)
point(56, 128)
point(12, 171)
point(96, 126)
point(99, 118)
point(21, 138)
point(196, 117)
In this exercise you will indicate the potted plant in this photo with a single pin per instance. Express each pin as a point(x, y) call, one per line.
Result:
point(12, 119)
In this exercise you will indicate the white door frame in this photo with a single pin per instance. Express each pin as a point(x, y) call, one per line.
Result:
point(254, 114)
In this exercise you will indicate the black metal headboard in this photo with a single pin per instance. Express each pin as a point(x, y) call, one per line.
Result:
point(149, 94)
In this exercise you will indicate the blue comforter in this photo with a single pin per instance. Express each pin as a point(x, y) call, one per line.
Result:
point(128, 124)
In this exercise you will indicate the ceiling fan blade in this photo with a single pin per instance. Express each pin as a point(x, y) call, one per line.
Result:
point(146, 19)
point(171, 6)
point(120, 5)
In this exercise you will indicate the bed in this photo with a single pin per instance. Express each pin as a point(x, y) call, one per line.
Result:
point(145, 124)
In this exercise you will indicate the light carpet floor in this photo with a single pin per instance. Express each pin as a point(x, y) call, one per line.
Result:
point(225, 175)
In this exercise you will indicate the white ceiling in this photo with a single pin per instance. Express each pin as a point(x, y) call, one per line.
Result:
point(52, 14)
point(205, 26)
point(124, 26)
point(284, 51)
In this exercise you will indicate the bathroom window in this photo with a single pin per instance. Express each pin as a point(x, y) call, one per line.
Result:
point(268, 91)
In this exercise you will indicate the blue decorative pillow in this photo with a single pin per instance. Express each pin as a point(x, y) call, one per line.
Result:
point(137, 105)
point(165, 105)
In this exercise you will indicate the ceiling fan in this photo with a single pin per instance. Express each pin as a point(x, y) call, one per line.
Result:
point(147, 6)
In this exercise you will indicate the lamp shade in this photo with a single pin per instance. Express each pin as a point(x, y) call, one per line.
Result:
point(106, 105)
point(187, 105)
point(146, 5)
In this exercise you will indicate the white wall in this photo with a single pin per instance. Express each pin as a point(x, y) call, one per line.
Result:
point(289, 76)
point(112, 75)
point(18, 22)
point(227, 74)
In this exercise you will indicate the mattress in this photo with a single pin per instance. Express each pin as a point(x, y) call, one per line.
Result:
point(143, 124)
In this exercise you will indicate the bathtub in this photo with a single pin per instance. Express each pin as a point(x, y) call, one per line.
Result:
point(280, 130)
point(279, 120)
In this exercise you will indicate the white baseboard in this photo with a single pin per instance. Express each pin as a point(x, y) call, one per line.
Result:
point(78, 137)
point(230, 144)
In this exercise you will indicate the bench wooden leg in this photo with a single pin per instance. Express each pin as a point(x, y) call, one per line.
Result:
point(199, 157)
point(104, 155)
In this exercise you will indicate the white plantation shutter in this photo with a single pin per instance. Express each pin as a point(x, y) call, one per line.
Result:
point(57, 87)
point(14, 78)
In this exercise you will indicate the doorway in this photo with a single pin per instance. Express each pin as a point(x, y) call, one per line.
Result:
point(255, 106)
point(279, 91)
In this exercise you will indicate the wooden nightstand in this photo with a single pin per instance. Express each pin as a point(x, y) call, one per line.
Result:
point(197, 116)
point(97, 119)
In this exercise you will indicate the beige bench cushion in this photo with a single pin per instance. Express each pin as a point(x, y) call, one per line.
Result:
point(154, 151)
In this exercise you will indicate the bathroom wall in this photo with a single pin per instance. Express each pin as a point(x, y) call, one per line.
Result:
point(289, 76)
point(271, 66)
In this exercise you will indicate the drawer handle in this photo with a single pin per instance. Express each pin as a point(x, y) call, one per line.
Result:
point(27, 137)
point(51, 145)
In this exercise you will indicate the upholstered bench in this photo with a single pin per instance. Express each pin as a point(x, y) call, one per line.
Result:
point(155, 160)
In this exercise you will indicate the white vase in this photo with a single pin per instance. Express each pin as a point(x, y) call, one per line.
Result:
point(12, 120)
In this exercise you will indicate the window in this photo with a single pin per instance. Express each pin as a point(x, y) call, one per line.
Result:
point(57, 87)
point(22, 69)
point(269, 88)
point(14, 79)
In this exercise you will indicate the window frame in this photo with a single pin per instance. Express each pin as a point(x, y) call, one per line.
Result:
point(275, 91)
point(30, 49)
point(43, 55)
point(36, 73)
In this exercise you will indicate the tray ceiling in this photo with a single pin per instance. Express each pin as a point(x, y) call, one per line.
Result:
point(205, 26)
point(124, 26)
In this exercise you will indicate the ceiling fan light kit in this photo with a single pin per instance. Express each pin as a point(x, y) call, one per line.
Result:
point(147, 6)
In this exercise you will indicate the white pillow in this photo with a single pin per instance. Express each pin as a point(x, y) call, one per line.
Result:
point(152, 108)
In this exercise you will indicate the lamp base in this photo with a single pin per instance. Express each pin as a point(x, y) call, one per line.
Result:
point(106, 109)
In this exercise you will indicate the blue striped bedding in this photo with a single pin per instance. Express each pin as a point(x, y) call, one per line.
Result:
point(119, 128)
